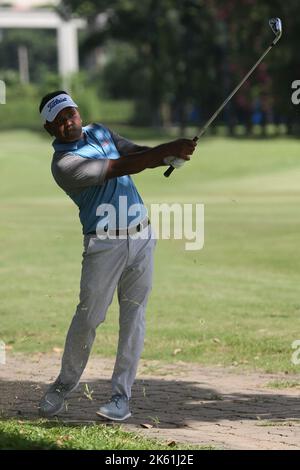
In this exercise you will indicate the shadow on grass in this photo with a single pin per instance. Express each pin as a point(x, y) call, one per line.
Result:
point(14, 440)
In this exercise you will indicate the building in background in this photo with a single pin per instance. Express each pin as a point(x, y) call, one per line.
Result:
point(24, 4)
point(22, 14)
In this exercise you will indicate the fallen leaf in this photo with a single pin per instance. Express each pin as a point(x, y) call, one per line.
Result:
point(57, 350)
point(146, 425)
point(171, 443)
point(176, 351)
point(216, 340)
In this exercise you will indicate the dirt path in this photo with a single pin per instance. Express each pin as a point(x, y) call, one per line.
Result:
point(181, 402)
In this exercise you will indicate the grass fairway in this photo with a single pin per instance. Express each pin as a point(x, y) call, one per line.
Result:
point(234, 302)
point(46, 435)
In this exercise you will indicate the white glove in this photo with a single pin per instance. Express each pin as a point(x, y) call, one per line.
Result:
point(174, 161)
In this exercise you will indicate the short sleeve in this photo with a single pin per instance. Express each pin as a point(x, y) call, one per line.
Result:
point(74, 173)
point(125, 146)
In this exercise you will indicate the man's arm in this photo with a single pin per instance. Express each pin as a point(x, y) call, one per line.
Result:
point(74, 173)
point(150, 158)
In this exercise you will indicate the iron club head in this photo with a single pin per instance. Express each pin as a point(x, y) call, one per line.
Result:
point(276, 27)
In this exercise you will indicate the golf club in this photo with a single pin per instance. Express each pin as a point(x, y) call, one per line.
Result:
point(276, 26)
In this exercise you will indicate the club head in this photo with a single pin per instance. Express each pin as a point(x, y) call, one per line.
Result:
point(276, 27)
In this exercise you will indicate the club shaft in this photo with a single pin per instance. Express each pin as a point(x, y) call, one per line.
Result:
point(217, 112)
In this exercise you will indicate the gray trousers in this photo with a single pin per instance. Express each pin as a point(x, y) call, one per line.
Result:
point(109, 264)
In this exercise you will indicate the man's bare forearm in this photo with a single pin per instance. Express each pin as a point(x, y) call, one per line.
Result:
point(137, 162)
point(150, 158)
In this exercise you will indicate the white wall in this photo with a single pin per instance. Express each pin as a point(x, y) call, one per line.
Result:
point(28, 3)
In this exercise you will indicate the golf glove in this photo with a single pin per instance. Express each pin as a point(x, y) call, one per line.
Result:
point(174, 161)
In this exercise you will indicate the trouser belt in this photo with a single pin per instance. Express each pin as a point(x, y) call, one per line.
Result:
point(125, 231)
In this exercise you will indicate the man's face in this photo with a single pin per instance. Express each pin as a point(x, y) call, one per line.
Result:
point(67, 126)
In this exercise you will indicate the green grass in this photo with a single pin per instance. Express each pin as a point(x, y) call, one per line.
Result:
point(282, 384)
point(234, 302)
point(47, 435)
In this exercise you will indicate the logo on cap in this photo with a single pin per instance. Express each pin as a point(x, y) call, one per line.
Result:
point(55, 102)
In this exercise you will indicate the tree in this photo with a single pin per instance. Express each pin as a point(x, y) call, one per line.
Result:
point(191, 53)
point(41, 59)
point(172, 40)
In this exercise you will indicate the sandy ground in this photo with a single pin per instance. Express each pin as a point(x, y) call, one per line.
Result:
point(179, 402)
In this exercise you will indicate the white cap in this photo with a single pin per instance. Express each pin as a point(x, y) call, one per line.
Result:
point(55, 105)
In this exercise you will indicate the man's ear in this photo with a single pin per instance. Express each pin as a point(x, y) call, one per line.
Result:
point(48, 128)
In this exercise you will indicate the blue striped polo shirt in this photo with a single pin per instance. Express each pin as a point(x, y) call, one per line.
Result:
point(79, 168)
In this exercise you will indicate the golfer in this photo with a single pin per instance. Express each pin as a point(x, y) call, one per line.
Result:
point(92, 165)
